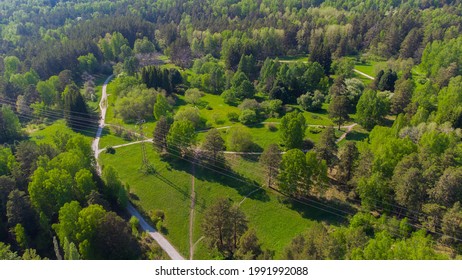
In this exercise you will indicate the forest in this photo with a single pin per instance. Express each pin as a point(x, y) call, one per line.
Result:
point(268, 129)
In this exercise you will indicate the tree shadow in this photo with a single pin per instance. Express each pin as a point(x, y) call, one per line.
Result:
point(356, 136)
point(133, 196)
point(319, 209)
point(223, 175)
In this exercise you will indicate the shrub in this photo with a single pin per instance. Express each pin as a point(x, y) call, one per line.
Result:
point(233, 116)
point(248, 117)
point(110, 150)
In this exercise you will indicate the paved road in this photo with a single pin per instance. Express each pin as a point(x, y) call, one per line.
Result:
point(364, 74)
point(163, 243)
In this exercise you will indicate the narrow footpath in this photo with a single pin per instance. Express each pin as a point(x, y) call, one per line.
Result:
point(159, 238)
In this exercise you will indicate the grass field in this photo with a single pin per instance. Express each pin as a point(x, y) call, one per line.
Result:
point(275, 220)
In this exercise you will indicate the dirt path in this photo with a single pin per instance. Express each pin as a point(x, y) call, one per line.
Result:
point(344, 135)
point(161, 240)
point(363, 74)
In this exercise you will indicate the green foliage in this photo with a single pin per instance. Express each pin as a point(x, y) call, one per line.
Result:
point(239, 139)
point(9, 122)
point(190, 114)
point(137, 104)
point(270, 160)
point(223, 226)
point(162, 108)
point(193, 96)
point(181, 136)
point(248, 117)
point(88, 63)
point(213, 146)
point(311, 101)
point(144, 46)
point(371, 109)
point(294, 176)
point(115, 190)
point(450, 103)
point(338, 109)
point(293, 126)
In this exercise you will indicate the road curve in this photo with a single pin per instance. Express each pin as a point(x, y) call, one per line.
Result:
point(159, 238)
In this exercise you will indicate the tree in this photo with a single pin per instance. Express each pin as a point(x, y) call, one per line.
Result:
point(213, 146)
point(223, 226)
point(311, 101)
point(240, 139)
point(293, 126)
point(449, 103)
point(249, 246)
point(338, 109)
point(191, 114)
point(294, 176)
point(75, 108)
point(115, 190)
point(326, 148)
point(447, 190)
point(270, 160)
point(310, 246)
point(348, 155)
point(409, 185)
point(19, 211)
point(248, 117)
point(452, 224)
point(160, 134)
point(181, 136)
point(87, 63)
point(402, 96)
point(84, 184)
point(10, 128)
point(193, 96)
point(371, 109)
point(49, 190)
point(162, 108)
point(386, 81)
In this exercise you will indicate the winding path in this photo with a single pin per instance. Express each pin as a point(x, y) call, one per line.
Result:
point(160, 239)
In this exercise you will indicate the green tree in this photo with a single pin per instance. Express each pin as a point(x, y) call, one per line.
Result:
point(191, 114)
point(270, 160)
point(371, 109)
point(249, 246)
point(10, 128)
point(162, 108)
point(75, 107)
point(181, 136)
point(311, 101)
point(294, 175)
point(115, 190)
point(452, 225)
point(293, 126)
point(450, 103)
point(49, 190)
point(348, 156)
point(447, 190)
point(338, 109)
point(326, 148)
point(193, 96)
point(223, 226)
point(88, 63)
point(240, 139)
point(160, 134)
point(213, 146)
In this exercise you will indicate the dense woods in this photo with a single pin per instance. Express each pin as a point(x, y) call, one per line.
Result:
point(279, 65)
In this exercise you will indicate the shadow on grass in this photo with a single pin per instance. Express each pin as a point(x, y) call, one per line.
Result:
point(356, 136)
point(319, 209)
point(222, 175)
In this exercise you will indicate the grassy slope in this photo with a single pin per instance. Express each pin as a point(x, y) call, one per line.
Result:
point(275, 222)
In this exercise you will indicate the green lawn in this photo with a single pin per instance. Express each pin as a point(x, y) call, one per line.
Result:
point(276, 221)
point(45, 135)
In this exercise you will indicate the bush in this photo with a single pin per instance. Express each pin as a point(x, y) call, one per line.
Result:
point(110, 150)
point(248, 117)
point(271, 127)
point(156, 216)
point(233, 116)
